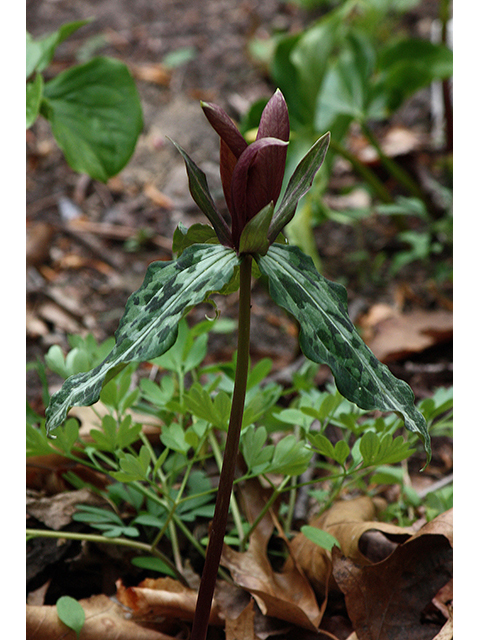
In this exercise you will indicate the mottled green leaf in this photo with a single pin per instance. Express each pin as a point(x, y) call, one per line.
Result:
point(328, 336)
point(149, 325)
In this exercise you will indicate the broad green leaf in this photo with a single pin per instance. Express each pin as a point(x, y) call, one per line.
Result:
point(383, 450)
point(37, 442)
point(320, 537)
point(34, 92)
point(411, 64)
point(322, 444)
point(299, 65)
point(96, 116)
point(153, 564)
point(258, 372)
point(200, 192)
point(173, 437)
point(216, 411)
point(133, 467)
point(328, 336)
point(68, 435)
point(257, 456)
point(299, 184)
point(158, 394)
point(149, 325)
point(290, 457)
point(39, 53)
point(71, 613)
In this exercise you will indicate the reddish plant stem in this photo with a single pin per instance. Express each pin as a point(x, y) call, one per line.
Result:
point(219, 522)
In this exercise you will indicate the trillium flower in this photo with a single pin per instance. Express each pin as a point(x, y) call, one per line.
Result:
point(252, 177)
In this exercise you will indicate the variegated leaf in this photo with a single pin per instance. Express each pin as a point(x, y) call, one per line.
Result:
point(149, 325)
point(328, 336)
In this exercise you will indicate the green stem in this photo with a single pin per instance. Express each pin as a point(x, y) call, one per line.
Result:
point(402, 176)
point(219, 523)
point(276, 492)
point(99, 539)
point(367, 174)
point(233, 502)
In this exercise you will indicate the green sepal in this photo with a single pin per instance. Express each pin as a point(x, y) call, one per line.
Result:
point(197, 183)
point(328, 336)
point(298, 185)
point(150, 323)
point(254, 237)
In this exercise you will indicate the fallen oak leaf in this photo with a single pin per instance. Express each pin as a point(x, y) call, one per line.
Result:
point(387, 599)
point(164, 597)
point(285, 595)
point(103, 619)
point(243, 627)
point(56, 511)
point(352, 523)
point(392, 335)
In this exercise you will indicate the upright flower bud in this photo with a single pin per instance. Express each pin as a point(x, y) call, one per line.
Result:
point(252, 175)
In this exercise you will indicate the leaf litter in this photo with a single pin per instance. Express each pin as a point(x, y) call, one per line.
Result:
point(398, 586)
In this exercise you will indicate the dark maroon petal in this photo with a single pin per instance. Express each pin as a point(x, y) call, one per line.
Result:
point(274, 122)
point(256, 181)
point(227, 165)
point(225, 127)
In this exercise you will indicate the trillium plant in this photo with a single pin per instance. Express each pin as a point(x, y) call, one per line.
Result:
point(220, 259)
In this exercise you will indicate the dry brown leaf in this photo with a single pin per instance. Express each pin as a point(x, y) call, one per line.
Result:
point(446, 632)
point(103, 619)
point(154, 73)
point(53, 313)
point(387, 599)
point(45, 473)
point(396, 141)
point(157, 197)
point(35, 326)
point(164, 597)
point(56, 511)
point(243, 627)
point(285, 595)
point(39, 238)
point(392, 335)
point(347, 521)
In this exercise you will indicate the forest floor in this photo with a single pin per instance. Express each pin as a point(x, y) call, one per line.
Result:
point(89, 244)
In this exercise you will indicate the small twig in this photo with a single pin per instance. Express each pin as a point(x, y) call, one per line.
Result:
point(439, 484)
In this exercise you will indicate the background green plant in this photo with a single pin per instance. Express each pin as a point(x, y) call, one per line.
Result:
point(347, 68)
point(166, 484)
point(93, 108)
